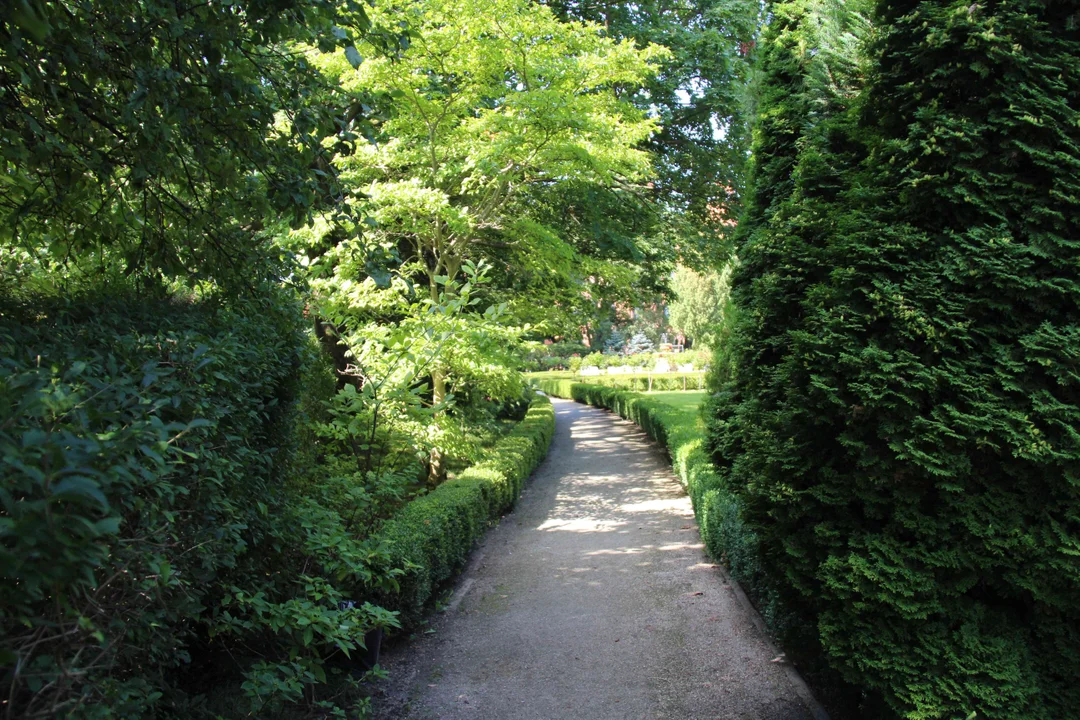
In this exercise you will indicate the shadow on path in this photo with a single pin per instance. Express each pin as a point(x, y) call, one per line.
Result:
point(593, 600)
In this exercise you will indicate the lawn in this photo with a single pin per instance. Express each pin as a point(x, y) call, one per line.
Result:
point(684, 400)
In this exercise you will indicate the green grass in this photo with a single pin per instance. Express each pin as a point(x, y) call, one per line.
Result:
point(689, 401)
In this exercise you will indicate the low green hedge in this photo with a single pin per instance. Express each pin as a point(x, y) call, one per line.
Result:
point(727, 539)
point(632, 381)
point(432, 536)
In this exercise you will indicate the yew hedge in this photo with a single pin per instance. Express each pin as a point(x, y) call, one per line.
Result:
point(900, 422)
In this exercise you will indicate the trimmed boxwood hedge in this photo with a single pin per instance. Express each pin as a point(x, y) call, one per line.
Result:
point(432, 536)
point(726, 538)
point(632, 381)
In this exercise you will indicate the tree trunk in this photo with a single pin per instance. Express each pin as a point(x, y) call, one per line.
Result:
point(437, 462)
point(329, 336)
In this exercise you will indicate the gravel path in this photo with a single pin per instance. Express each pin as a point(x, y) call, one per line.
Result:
point(594, 600)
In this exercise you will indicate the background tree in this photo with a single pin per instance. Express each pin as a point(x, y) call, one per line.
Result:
point(621, 256)
point(160, 139)
point(638, 343)
point(615, 342)
point(488, 101)
point(701, 300)
point(700, 94)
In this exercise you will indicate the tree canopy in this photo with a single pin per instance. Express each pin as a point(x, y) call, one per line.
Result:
point(160, 138)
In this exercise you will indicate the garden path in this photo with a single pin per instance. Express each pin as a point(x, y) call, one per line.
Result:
point(594, 600)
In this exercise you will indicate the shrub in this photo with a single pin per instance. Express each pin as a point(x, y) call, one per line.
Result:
point(148, 527)
point(559, 355)
point(635, 381)
point(138, 454)
point(901, 425)
point(596, 359)
point(432, 536)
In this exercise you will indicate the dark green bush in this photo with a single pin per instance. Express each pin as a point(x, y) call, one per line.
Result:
point(147, 530)
point(900, 427)
point(138, 451)
point(432, 536)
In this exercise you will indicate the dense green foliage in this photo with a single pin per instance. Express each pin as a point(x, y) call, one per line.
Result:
point(144, 494)
point(433, 535)
point(160, 139)
point(899, 421)
point(157, 525)
point(701, 301)
point(268, 269)
point(490, 101)
point(168, 503)
point(700, 95)
point(200, 497)
point(641, 362)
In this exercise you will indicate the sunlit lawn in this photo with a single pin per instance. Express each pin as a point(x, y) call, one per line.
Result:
point(684, 400)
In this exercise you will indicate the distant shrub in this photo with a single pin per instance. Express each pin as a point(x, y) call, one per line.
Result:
point(555, 356)
point(632, 381)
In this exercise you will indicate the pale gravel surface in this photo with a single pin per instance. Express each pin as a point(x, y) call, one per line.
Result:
point(594, 600)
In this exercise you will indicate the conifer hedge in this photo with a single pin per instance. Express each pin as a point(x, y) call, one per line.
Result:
point(902, 423)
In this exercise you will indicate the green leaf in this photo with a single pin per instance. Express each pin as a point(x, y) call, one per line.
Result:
point(79, 488)
point(108, 526)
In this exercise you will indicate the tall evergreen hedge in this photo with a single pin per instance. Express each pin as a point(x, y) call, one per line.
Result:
point(903, 423)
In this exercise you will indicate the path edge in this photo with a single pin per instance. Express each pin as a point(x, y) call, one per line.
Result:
point(798, 682)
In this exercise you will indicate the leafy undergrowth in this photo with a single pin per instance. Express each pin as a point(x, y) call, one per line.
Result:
point(155, 540)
